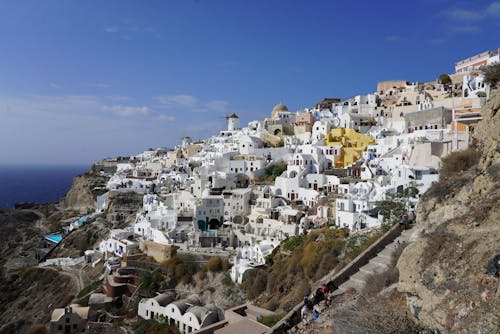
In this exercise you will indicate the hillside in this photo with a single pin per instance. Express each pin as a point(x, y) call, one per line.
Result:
point(443, 272)
point(25, 290)
point(84, 191)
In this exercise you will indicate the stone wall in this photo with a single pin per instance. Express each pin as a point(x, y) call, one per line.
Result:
point(160, 253)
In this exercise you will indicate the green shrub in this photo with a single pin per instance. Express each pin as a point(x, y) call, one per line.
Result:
point(226, 265)
point(362, 243)
point(294, 242)
point(202, 273)
point(492, 74)
point(227, 281)
point(459, 161)
point(391, 210)
point(271, 320)
point(444, 79)
point(149, 283)
point(214, 264)
point(181, 268)
point(154, 327)
point(446, 186)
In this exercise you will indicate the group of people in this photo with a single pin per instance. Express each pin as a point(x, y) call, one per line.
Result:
point(404, 221)
point(324, 293)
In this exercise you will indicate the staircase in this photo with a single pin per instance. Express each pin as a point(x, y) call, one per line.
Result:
point(376, 258)
point(382, 261)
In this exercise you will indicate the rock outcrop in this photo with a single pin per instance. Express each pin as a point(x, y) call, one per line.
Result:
point(84, 191)
point(443, 271)
point(121, 207)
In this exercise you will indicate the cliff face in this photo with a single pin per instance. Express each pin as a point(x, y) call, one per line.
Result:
point(122, 207)
point(28, 294)
point(458, 231)
point(84, 191)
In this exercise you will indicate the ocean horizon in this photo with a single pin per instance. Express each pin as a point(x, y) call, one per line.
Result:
point(36, 183)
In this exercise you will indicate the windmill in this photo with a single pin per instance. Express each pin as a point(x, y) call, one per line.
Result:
point(233, 121)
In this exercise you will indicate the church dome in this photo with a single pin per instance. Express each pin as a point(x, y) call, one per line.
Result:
point(280, 107)
point(277, 108)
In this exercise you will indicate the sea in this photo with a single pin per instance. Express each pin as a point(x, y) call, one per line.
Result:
point(38, 184)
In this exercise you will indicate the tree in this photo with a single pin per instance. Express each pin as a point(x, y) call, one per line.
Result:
point(149, 283)
point(214, 264)
point(391, 210)
point(492, 74)
point(444, 79)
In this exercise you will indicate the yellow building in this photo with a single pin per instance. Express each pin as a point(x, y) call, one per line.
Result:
point(353, 145)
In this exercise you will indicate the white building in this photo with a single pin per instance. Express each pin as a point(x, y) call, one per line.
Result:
point(119, 243)
point(237, 204)
point(474, 86)
point(210, 212)
point(250, 257)
point(478, 61)
point(186, 314)
point(248, 164)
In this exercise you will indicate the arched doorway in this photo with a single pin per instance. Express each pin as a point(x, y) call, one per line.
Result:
point(237, 220)
point(213, 224)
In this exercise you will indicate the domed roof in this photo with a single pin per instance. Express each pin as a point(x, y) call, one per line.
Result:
point(277, 108)
point(280, 107)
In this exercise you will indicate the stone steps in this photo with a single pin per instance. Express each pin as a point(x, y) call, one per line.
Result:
point(379, 263)
point(373, 268)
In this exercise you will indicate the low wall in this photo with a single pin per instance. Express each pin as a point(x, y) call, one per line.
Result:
point(62, 261)
point(146, 265)
point(211, 328)
point(293, 317)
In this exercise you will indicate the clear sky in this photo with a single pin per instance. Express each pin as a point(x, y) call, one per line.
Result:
point(83, 80)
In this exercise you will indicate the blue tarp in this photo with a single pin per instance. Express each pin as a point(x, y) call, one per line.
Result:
point(56, 238)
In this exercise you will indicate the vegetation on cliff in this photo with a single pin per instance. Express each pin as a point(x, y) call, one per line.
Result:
point(299, 262)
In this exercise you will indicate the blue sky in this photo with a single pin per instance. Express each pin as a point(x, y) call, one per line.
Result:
point(83, 80)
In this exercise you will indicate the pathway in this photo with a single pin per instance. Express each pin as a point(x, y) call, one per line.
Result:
point(378, 264)
point(382, 261)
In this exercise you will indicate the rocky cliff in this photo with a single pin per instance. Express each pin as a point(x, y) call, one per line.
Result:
point(28, 294)
point(84, 191)
point(121, 207)
point(443, 272)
